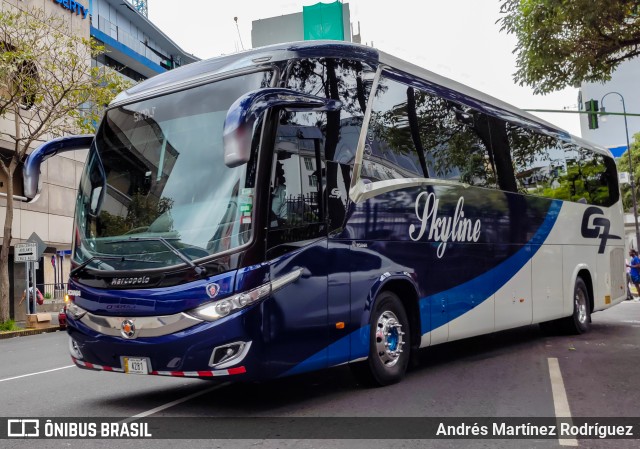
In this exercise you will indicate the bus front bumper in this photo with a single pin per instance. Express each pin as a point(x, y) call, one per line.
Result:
point(225, 348)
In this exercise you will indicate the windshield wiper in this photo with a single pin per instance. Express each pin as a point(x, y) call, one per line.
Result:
point(200, 271)
point(91, 259)
point(100, 258)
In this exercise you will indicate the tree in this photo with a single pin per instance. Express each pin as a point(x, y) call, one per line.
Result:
point(623, 166)
point(563, 43)
point(142, 211)
point(47, 89)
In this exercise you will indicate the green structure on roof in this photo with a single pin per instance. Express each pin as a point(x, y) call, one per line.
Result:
point(323, 21)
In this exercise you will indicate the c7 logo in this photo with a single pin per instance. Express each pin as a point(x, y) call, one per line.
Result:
point(597, 228)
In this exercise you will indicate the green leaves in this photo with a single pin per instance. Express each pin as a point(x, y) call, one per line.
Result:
point(47, 89)
point(623, 166)
point(563, 43)
point(48, 74)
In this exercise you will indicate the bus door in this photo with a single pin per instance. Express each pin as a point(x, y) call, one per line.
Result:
point(295, 327)
point(340, 325)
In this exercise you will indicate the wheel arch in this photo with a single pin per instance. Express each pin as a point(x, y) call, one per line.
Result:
point(583, 271)
point(585, 275)
point(403, 286)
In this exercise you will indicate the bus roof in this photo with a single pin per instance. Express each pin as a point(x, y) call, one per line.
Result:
point(201, 71)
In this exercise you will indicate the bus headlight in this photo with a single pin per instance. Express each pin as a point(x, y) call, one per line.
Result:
point(75, 310)
point(219, 309)
point(212, 311)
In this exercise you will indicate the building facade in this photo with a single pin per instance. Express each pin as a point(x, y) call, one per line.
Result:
point(135, 46)
point(138, 50)
point(320, 21)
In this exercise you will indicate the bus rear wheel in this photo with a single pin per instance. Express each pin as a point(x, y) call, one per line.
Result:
point(580, 321)
point(389, 343)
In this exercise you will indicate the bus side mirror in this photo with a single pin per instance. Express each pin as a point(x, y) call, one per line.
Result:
point(31, 169)
point(238, 126)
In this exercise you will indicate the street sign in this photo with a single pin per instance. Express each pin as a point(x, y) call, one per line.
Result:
point(40, 245)
point(623, 178)
point(25, 252)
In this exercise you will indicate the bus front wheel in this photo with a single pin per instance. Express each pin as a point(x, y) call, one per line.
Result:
point(389, 343)
point(579, 322)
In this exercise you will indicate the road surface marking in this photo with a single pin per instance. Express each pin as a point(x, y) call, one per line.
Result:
point(560, 401)
point(39, 372)
point(172, 403)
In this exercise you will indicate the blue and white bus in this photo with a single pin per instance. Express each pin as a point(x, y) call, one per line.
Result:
point(307, 205)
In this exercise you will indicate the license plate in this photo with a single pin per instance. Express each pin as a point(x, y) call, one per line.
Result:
point(135, 365)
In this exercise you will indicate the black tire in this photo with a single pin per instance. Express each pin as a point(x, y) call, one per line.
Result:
point(580, 321)
point(389, 343)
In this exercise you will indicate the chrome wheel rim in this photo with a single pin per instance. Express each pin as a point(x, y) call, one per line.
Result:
point(581, 305)
point(389, 339)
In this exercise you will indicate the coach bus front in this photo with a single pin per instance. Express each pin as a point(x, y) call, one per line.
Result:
point(162, 225)
point(168, 267)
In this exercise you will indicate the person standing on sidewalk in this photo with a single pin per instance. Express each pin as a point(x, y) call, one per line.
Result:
point(634, 271)
point(32, 297)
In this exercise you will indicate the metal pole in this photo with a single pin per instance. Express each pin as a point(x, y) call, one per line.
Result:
point(60, 262)
point(55, 274)
point(633, 189)
point(26, 286)
point(631, 177)
point(33, 276)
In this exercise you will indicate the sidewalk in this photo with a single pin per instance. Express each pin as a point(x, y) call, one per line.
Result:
point(55, 326)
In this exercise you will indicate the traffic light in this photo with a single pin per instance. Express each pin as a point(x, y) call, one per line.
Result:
point(592, 113)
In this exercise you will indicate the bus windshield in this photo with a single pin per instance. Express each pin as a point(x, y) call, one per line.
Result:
point(155, 191)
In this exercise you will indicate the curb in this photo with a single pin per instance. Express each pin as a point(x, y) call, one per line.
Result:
point(24, 333)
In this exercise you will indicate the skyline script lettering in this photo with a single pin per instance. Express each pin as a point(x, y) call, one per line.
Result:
point(443, 229)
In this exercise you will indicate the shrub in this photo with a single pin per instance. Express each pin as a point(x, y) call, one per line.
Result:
point(8, 326)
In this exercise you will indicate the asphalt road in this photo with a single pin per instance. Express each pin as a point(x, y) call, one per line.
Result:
point(506, 374)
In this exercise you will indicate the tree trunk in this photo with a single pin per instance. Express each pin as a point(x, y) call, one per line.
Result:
point(6, 245)
point(8, 221)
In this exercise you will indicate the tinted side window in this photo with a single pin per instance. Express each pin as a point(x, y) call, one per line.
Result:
point(413, 133)
point(528, 161)
point(589, 177)
point(296, 177)
point(296, 210)
point(339, 79)
point(390, 152)
point(547, 166)
point(601, 180)
point(350, 82)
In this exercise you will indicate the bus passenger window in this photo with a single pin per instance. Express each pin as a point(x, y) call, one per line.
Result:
point(599, 184)
point(341, 79)
point(417, 134)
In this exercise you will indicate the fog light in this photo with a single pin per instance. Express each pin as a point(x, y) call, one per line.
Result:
point(74, 349)
point(229, 354)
